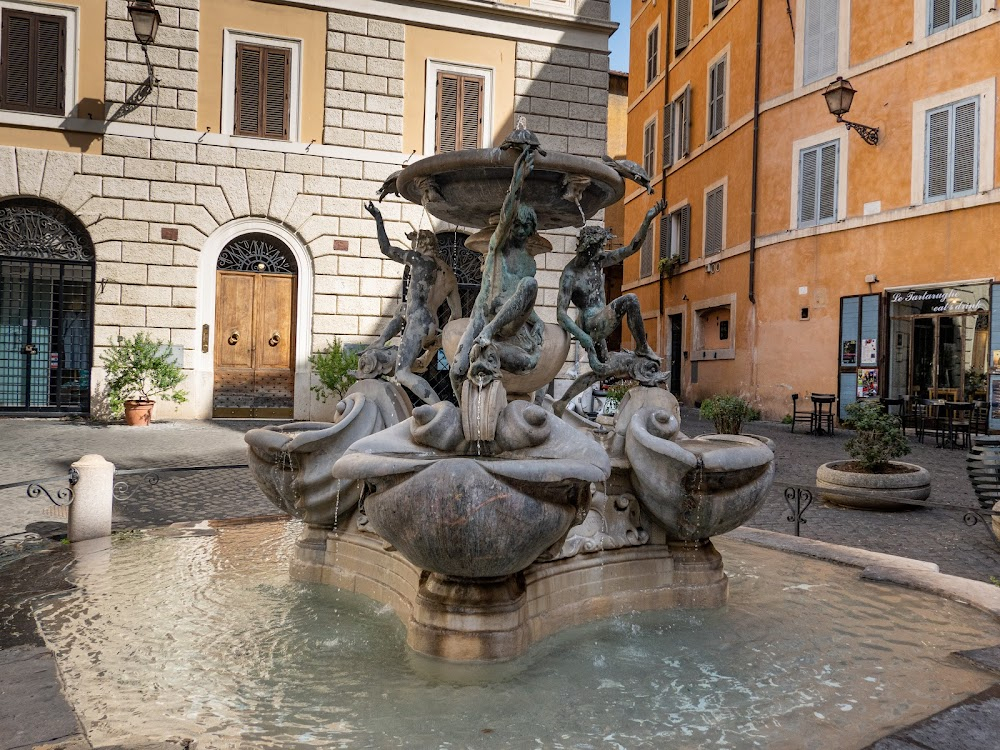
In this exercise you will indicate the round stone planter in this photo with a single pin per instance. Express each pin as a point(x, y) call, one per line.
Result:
point(873, 491)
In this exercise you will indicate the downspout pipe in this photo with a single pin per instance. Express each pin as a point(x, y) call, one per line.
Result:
point(756, 156)
point(668, 48)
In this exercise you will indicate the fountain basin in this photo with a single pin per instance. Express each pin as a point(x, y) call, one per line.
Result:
point(696, 488)
point(470, 186)
point(457, 519)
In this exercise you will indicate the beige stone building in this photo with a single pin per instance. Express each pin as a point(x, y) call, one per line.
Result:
point(221, 208)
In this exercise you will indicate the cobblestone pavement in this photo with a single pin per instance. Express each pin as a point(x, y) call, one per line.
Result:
point(31, 448)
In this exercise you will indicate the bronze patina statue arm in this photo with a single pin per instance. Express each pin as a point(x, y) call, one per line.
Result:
point(397, 254)
point(617, 256)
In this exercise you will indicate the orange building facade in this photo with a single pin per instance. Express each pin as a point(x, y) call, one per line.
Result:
point(796, 257)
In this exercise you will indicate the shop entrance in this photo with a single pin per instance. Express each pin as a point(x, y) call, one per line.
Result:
point(948, 356)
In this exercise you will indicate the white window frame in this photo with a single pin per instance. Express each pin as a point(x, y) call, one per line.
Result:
point(435, 66)
point(922, 19)
point(650, 123)
point(843, 44)
point(674, 220)
point(724, 184)
point(232, 37)
point(986, 91)
point(676, 105)
point(71, 14)
point(835, 134)
point(723, 54)
point(818, 222)
point(698, 311)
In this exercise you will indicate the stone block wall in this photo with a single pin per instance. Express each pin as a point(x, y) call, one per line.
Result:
point(364, 83)
point(563, 93)
point(174, 101)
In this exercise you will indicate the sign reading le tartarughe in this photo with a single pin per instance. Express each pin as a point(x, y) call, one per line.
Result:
point(948, 299)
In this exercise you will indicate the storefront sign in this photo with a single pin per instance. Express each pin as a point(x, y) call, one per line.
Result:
point(942, 300)
point(868, 382)
point(869, 352)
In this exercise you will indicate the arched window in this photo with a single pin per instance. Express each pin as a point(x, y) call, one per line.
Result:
point(257, 253)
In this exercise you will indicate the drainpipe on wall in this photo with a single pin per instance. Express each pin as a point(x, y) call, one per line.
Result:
point(663, 157)
point(756, 149)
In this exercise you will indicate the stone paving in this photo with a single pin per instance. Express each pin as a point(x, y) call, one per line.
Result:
point(31, 448)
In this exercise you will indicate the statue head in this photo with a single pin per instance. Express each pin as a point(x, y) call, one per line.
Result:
point(592, 238)
point(424, 242)
point(525, 223)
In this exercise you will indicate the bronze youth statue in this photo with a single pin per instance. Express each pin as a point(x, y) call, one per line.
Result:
point(432, 283)
point(582, 283)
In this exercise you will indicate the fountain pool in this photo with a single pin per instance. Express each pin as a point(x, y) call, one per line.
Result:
point(207, 637)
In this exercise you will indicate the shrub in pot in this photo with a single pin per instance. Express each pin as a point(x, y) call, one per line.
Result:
point(138, 368)
point(727, 413)
point(872, 480)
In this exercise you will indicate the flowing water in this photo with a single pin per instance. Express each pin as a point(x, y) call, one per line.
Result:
point(206, 637)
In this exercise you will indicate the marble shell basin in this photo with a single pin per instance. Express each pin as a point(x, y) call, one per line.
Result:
point(460, 514)
point(555, 347)
point(471, 185)
point(697, 488)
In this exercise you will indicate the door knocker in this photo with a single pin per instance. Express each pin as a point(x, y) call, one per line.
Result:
point(234, 337)
point(275, 338)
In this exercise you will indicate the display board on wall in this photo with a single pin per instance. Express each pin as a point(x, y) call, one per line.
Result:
point(859, 324)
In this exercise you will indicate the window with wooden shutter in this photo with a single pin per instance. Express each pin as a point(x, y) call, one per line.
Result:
point(951, 159)
point(652, 54)
point(649, 147)
point(459, 112)
point(263, 83)
point(682, 25)
point(821, 39)
point(646, 256)
point(943, 14)
point(714, 208)
point(717, 98)
point(682, 216)
point(818, 178)
point(718, 6)
point(33, 62)
point(665, 237)
point(668, 135)
point(677, 128)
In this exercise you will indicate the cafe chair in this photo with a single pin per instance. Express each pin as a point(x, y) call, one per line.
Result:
point(805, 416)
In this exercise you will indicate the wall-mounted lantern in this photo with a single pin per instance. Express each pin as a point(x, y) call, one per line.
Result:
point(839, 96)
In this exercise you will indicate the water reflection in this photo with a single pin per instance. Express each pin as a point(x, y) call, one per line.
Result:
point(206, 637)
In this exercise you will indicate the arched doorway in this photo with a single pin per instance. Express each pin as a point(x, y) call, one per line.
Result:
point(254, 358)
point(46, 309)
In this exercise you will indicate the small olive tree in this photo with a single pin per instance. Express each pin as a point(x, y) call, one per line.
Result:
point(728, 413)
point(333, 367)
point(879, 437)
point(138, 368)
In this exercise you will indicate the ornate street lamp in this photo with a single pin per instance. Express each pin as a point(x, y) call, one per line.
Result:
point(839, 96)
point(145, 21)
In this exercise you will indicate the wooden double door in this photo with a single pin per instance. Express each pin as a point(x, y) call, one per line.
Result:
point(254, 345)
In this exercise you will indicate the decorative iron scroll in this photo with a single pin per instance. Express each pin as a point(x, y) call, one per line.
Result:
point(256, 253)
point(37, 230)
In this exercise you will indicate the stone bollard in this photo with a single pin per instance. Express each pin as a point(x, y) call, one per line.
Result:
point(90, 511)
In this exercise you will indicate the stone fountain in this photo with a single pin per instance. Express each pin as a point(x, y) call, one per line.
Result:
point(492, 524)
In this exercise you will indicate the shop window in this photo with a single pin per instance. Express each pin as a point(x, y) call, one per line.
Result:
point(33, 68)
point(717, 98)
point(682, 25)
point(951, 158)
point(819, 52)
point(943, 14)
point(713, 332)
point(818, 170)
point(649, 147)
point(715, 220)
point(652, 54)
point(261, 76)
point(677, 128)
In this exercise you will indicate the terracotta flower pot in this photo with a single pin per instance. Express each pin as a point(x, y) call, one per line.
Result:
point(138, 413)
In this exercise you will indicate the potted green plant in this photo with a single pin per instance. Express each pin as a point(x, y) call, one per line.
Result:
point(138, 368)
point(727, 412)
point(668, 266)
point(615, 395)
point(872, 480)
point(333, 366)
